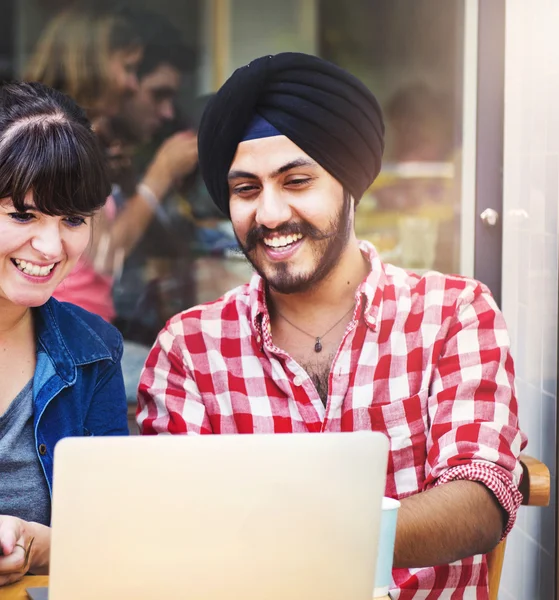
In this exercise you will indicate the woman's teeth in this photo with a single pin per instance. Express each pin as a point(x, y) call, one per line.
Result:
point(282, 241)
point(31, 269)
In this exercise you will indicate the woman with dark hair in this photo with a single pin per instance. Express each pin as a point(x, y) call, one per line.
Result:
point(59, 365)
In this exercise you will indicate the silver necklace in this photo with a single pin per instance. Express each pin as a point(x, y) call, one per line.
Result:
point(317, 339)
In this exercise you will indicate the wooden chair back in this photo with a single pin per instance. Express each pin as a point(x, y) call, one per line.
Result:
point(535, 489)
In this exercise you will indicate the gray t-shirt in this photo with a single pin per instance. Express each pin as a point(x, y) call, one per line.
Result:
point(24, 491)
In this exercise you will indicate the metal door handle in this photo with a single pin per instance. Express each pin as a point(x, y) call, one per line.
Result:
point(489, 217)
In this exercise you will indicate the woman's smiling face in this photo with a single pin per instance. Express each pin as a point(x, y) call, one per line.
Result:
point(37, 251)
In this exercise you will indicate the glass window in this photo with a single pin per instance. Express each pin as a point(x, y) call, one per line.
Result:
point(409, 53)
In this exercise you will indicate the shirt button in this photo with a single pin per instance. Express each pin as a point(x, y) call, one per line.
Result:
point(373, 320)
point(42, 449)
point(298, 381)
point(258, 338)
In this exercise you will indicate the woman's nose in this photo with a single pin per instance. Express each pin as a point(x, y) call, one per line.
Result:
point(48, 242)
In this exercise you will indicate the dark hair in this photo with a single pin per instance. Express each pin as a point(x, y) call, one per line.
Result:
point(161, 40)
point(47, 146)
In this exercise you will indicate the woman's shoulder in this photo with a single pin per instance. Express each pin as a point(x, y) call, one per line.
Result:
point(84, 331)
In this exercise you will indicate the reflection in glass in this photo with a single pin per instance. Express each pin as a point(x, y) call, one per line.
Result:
point(409, 54)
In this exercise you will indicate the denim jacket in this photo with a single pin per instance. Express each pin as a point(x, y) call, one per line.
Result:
point(77, 387)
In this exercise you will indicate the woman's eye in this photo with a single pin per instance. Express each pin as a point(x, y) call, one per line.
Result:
point(22, 217)
point(75, 221)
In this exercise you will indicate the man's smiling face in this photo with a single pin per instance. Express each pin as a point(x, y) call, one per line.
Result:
point(291, 217)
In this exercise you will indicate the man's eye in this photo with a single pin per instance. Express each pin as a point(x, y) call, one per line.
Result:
point(161, 95)
point(22, 217)
point(75, 221)
point(299, 181)
point(245, 189)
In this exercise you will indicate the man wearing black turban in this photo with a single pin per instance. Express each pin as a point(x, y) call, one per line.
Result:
point(326, 337)
point(323, 109)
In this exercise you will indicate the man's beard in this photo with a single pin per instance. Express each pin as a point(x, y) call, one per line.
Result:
point(327, 248)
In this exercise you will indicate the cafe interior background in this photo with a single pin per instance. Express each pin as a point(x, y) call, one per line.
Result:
point(469, 185)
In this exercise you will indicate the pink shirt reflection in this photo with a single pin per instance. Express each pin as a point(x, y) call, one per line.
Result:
point(88, 288)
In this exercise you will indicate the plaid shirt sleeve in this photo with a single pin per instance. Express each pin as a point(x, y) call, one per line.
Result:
point(474, 431)
point(169, 400)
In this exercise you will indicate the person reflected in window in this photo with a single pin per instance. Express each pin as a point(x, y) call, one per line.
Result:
point(420, 176)
point(156, 279)
point(105, 41)
point(158, 271)
point(419, 139)
point(165, 60)
point(59, 364)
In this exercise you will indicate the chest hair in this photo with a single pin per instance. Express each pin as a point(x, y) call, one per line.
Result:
point(318, 369)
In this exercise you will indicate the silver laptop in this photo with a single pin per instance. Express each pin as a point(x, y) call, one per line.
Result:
point(292, 516)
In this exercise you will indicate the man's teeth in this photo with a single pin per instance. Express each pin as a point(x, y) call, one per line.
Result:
point(284, 240)
point(31, 269)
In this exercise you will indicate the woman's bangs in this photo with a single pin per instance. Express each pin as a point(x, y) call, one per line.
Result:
point(61, 163)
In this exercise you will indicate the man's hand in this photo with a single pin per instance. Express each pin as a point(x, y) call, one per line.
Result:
point(18, 554)
point(176, 158)
point(113, 241)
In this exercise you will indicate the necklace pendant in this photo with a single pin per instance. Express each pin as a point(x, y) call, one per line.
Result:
point(317, 345)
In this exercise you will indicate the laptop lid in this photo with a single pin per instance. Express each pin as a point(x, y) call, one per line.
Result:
point(213, 517)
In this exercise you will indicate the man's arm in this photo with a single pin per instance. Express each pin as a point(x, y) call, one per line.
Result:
point(470, 496)
point(169, 400)
point(447, 523)
point(112, 242)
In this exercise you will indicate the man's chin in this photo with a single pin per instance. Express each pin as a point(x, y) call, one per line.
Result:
point(148, 136)
point(280, 276)
point(288, 283)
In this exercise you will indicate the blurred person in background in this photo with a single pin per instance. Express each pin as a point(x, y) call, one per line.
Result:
point(421, 124)
point(101, 40)
point(166, 58)
point(155, 280)
point(59, 364)
point(418, 185)
point(158, 270)
point(420, 136)
point(104, 39)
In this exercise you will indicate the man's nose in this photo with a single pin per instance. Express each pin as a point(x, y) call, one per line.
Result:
point(132, 83)
point(48, 241)
point(167, 111)
point(273, 210)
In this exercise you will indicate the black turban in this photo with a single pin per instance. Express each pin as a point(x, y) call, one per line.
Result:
point(323, 109)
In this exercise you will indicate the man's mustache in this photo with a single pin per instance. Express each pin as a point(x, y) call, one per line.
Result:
point(258, 233)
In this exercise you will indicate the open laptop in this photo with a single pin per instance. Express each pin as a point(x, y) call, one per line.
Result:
point(291, 516)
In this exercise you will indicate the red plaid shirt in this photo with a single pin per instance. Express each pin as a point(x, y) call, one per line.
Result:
point(425, 360)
